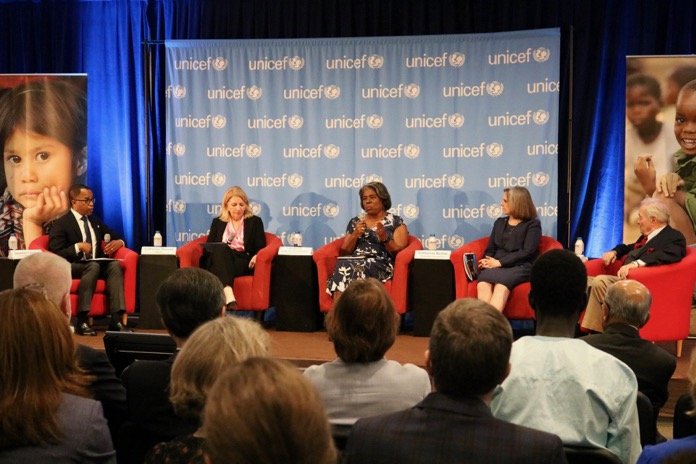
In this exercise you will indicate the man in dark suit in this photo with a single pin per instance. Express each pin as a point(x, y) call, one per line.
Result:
point(77, 236)
point(468, 356)
point(626, 309)
point(188, 298)
point(52, 274)
point(658, 244)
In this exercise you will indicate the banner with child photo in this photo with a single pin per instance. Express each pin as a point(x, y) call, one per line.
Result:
point(660, 145)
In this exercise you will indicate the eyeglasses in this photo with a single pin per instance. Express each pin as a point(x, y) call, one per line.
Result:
point(87, 201)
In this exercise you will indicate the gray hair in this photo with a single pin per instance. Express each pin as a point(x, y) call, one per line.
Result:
point(628, 301)
point(47, 269)
point(655, 208)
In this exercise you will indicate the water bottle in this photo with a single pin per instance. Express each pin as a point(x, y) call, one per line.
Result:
point(579, 247)
point(12, 242)
point(157, 239)
point(297, 239)
point(431, 242)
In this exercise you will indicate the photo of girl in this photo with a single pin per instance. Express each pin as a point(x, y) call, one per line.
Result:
point(43, 134)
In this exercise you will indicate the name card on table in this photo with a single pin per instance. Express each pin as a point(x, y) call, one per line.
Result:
point(152, 250)
point(19, 254)
point(295, 251)
point(433, 254)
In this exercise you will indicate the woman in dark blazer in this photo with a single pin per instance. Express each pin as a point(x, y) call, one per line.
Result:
point(240, 235)
point(512, 248)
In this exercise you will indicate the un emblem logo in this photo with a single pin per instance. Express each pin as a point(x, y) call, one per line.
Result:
point(540, 179)
point(179, 206)
point(411, 211)
point(411, 151)
point(541, 54)
point(455, 181)
point(541, 117)
point(333, 92)
point(295, 180)
point(412, 90)
point(493, 211)
point(254, 92)
point(296, 63)
point(457, 59)
point(332, 151)
point(331, 210)
point(255, 208)
point(494, 149)
point(455, 241)
point(455, 120)
point(375, 121)
point(220, 63)
point(218, 179)
point(253, 150)
point(495, 88)
point(375, 61)
point(219, 121)
point(295, 121)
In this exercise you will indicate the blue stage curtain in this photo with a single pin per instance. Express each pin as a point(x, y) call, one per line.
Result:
point(105, 39)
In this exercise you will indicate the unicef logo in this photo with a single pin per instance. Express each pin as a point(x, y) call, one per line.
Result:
point(493, 211)
point(179, 149)
point(373, 178)
point(220, 63)
point(218, 179)
point(494, 149)
point(411, 211)
point(333, 92)
point(375, 121)
point(375, 61)
point(179, 91)
point(412, 90)
point(331, 210)
point(296, 63)
point(456, 120)
point(541, 117)
point(495, 88)
point(219, 121)
point(295, 180)
point(253, 151)
point(255, 208)
point(332, 151)
point(295, 121)
point(455, 181)
point(540, 179)
point(254, 92)
point(412, 150)
point(179, 206)
point(455, 241)
point(541, 54)
point(457, 59)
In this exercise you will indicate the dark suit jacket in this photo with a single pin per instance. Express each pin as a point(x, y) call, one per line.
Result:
point(652, 365)
point(254, 237)
point(443, 429)
point(521, 246)
point(65, 233)
point(669, 246)
point(151, 416)
point(106, 387)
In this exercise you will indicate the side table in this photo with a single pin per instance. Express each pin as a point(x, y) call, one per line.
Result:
point(152, 271)
point(431, 288)
point(294, 293)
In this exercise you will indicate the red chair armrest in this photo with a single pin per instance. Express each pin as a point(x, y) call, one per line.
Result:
point(595, 267)
point(129, 264)
point(461, 281)
point(261, 283)
point(190, 253)
point(325, 259)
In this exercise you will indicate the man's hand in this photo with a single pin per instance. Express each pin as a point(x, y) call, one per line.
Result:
point(669, 184)
point(623, 270)
point(111, 247)
point(84, 247)
point(609, 257)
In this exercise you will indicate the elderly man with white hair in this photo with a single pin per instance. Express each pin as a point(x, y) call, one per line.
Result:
point(52, 273)
point(658, 244)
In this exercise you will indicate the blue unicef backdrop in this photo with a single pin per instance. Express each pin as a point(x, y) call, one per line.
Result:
point(446, 122)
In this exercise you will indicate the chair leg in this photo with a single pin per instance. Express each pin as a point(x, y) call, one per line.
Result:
point(679, 348)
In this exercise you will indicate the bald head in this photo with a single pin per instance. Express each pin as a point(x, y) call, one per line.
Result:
point(49, 270)
point(628, 301)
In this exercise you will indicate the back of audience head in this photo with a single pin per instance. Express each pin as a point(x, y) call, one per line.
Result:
point(263, 411)
point(188, 298)
point(559, 285)
point(50, 271)
point(211, 349)
point(469, 350)
point(37, 365)
point(363, 323)
point(628, 301)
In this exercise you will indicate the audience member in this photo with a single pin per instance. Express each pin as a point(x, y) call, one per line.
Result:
point(188, 298)
point(362, 382)
point(467, 357)
point(658, 244)
point(53, 273)
point(262, 411)
point(584, 395)
point(45, 413)
point(211, 349)
point(681, 450)
point(626, 309)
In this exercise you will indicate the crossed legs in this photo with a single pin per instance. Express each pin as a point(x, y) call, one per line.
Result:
point(495, 294)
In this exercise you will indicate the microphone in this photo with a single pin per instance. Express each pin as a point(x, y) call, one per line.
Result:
point(107, 238)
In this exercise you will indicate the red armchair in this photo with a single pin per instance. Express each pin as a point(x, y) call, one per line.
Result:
point(253, 292)
point(326, 256)
point(100, 300)
point(517, 306)
point(671, 286)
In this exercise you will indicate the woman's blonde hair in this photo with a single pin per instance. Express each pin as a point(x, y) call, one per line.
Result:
point(520, 203)
point(211, 348)
point(263, 411)
point(235, 191)
point(37, 365)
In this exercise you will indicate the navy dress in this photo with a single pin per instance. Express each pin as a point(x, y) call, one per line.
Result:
point(516, 247)
point(369, 259)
